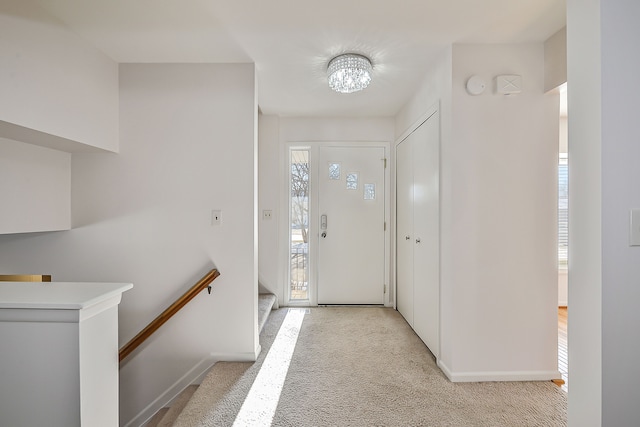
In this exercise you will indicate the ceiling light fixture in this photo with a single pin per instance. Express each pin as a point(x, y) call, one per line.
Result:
point(349, 73)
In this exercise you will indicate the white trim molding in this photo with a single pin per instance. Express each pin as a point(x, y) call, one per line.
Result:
point(466, 377)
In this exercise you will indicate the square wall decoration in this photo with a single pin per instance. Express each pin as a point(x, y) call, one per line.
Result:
point(352, 181)
point(334, 171)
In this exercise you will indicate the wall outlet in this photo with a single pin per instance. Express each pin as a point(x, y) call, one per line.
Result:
point(267, 214)
point(216, 217)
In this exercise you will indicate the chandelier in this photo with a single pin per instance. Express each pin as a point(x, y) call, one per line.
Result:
point(349, 73)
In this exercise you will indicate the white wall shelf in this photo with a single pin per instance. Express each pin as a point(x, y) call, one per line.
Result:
point(43, 139)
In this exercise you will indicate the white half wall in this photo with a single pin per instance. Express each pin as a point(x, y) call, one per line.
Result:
point(498, 210)
point(53, 82)
point(35, 189)
point(187, 147)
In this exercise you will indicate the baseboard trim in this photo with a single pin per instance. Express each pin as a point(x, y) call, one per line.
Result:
point(498, 376)
point(237, 357)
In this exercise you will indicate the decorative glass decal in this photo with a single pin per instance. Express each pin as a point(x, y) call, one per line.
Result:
point(334, 170)
point(352, 181)
point(369, 191)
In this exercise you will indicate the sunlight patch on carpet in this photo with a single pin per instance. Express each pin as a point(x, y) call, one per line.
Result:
point(260, 405)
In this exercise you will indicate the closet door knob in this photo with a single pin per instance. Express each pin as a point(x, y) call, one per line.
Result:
point(407, 237)
point(418, 240)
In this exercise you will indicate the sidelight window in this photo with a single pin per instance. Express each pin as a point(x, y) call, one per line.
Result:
point(299, 225)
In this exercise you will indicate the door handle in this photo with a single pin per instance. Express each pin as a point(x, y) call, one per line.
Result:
point(407, 237)
point(323, 225)
point(418, 240)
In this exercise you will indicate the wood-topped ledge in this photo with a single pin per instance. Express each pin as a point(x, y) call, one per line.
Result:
point(25, 278)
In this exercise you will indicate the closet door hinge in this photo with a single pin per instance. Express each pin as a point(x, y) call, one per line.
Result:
point(385, 162)
point(385, 226)
point(384, 288)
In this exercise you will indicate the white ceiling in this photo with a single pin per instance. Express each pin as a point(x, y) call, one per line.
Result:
point(291, 41)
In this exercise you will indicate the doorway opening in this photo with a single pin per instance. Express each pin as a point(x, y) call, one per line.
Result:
point(563, 239)
point(336, 234)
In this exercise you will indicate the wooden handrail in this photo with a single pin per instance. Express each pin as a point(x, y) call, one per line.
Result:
point(167, 314)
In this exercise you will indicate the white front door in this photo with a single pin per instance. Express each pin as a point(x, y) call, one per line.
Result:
point(351, 225)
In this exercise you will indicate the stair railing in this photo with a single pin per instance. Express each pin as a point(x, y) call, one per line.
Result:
point(136, 341)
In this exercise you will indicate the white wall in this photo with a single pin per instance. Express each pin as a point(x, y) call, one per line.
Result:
point(375, 129)
point(498, 213)
point(57, 92)
point(269, 185)
point(620, 194)
point(555, 60)
point(436, 89)
point(187, 146)
point(604, 271)
point(35, 188)
point(275, 133)
point(585, 218)
point(54, 82)
point(499, 277)
point(555, 74)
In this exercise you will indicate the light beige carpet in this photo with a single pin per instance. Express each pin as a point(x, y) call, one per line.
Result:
point(366, 367)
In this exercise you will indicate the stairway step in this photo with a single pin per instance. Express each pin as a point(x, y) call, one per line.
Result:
point(224, 389)
point(216, 385)
point(157, 417)
point(266, 303)
point(196, 403)
point(177, 406)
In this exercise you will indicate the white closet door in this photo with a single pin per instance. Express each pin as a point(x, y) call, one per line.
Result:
point(418, 231)
point(426, 232)
point(404, 230)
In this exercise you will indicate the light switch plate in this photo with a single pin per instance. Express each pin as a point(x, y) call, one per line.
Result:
point(634, 227)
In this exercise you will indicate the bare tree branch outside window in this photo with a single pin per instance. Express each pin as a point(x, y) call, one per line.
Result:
point(300, 198)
